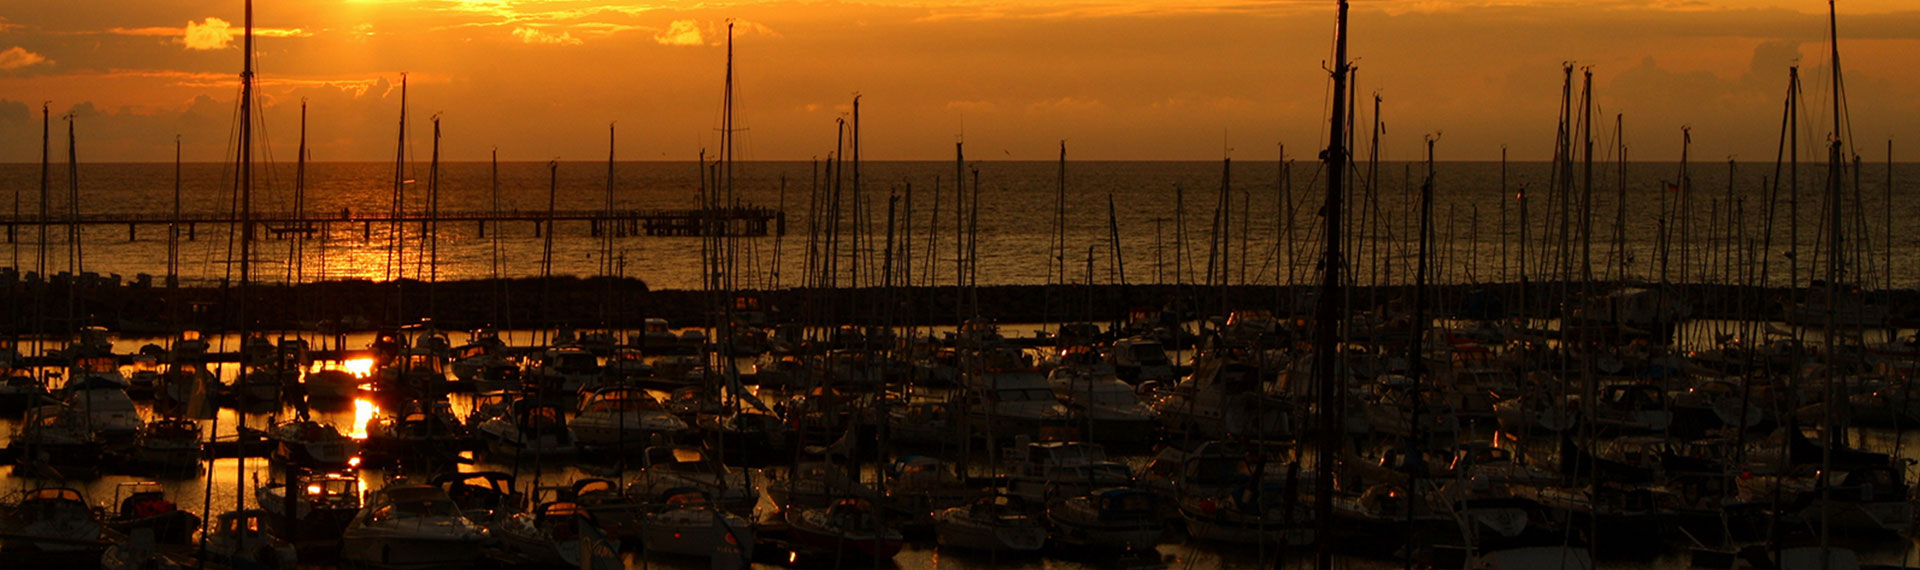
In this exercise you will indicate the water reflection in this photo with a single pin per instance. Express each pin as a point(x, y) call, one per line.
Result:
point(364, 410)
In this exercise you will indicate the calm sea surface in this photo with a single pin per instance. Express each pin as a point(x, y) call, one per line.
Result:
point(1163, 215)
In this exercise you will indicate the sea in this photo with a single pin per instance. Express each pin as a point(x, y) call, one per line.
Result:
point(1241, 221)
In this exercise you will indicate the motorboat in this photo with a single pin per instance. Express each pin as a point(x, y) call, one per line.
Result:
point(846, 529)
point(619, 418)
point(49, 527)
point(1041, 471)
point(168, 446)
point(1001, 404)
point(312, 444)
point(56, 440)
point(671, 468)
point(683, 522)
point(19, 390)
point(1227, 397)
point(142, 505)
point(417, 437)
point(482, 496)
point(999, 523)
point(1110, 409)
point(563, 370)
point(1113, 517)
point(1139, 360)
point(331, 385)
point(557, 534)
point(323, 504)
point(918, 485)
point(241, 539)
point(528, 428)
point(104, 402)
point(411, 527)
point(814, 484)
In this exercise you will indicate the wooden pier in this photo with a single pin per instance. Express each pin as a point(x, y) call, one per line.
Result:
point(744, 221)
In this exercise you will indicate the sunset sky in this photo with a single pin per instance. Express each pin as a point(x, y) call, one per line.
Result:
point(1117, 79)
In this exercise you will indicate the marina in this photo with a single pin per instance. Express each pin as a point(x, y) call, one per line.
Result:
point(734, 364)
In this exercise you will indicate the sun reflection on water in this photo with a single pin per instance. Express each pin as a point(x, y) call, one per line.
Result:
point(358, 367)
point(363, 411)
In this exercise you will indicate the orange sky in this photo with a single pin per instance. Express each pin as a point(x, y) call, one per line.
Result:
point(1119, 79)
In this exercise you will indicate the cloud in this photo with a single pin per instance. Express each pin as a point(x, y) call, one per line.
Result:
point(746, 28)
point(214, 34)
point(535, 36)
point(681, 33)
point(17, 57)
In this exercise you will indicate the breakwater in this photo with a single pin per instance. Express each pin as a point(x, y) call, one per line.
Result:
point(144, 307)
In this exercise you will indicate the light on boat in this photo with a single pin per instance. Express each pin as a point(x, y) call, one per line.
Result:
point(792, 556)
point(315, 489)
point(354, 461)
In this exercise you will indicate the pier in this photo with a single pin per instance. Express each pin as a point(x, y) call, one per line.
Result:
point(742, 221)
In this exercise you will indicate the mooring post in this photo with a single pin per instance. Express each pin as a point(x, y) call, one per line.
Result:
point(130, 236)
point(482, 228)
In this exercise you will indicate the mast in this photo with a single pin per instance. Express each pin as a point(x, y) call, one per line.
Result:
point(74, 263)
point(493, 180)
point(433, 218)
point(46, 153)
point(1835, 179)
point(1620, 207)
point(396, 262)
point(246, 241)
point(606, 237)
point(1327, 318)
point(173, 230)
point(1586, 184)
point(296, 247)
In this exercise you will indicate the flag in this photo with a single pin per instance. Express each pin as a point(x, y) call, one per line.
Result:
point(1671, 187)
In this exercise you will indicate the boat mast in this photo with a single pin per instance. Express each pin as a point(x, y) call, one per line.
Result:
point(432, 238)
point(295, 248)
point(1586, 174)
point(396, 263)
point(1835, 179)
point(246, 241)
point(1327, 317)
point(74, 263)
point(46, 154)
